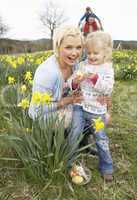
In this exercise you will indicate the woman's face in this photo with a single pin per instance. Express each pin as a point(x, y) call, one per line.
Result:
point(70, 50)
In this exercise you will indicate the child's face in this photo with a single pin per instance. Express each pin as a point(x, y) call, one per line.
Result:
point(96, 53)
point(91, 20)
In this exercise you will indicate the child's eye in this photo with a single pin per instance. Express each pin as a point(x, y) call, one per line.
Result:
point(88, 53)
point(95, 54)
point(68, 47)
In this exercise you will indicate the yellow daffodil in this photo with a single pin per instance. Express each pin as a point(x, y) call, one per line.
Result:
point(28, 130)
point(31, 60)
point(8, 59)
point(20, 60)
point(98, 124)
point(28, 76)
point(14, 65)
point(36, 98)
point(41, 98)
point(46, 99)
point(24, 103)
point(23, 88)
point(38, 61)
point(11, 61)
point(31, 82)
point(11, 80)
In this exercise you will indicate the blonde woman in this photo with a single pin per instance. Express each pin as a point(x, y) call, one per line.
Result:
point(52, 75)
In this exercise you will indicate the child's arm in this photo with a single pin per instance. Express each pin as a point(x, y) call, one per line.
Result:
point(109, 104)
point(107, 100)
point(104, 84)
point(77, 77)
point(109, 110)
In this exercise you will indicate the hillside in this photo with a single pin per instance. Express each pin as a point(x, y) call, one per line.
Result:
point(121, 44)
point(9, 46)
point(23, 46)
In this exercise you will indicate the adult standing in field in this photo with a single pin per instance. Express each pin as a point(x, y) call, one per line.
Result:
point(52, 75)
point(91, 21)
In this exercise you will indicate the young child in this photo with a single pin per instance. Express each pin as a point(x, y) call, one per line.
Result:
point(95, 78)
point(90, 26)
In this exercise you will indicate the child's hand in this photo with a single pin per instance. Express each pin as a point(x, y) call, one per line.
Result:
point(90, 76)
point(79, 77)
point(108, 118)
point(101, 100)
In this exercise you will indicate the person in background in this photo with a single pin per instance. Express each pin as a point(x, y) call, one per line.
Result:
point(89, 13)
point(90, 26)
point(52, 75)
point(95, 78)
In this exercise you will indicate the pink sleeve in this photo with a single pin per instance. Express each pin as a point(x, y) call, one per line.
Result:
point(94, 79)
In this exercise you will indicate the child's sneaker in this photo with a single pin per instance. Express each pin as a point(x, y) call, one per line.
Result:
point(107, 177)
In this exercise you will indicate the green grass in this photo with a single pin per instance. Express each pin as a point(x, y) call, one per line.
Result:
point(123, 143)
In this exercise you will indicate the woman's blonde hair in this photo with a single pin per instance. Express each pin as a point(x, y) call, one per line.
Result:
point(63, 33)
point(105, 40)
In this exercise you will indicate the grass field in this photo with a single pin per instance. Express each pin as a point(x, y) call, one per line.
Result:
point(16, 185)
point(123, 142)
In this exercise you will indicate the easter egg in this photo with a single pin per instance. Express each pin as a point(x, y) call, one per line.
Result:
point(77, 179)
point(72, 173)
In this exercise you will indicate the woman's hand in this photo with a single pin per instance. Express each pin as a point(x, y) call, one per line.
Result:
point(75, 97)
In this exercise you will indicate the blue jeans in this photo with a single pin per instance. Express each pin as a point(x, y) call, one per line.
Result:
point(83, 119)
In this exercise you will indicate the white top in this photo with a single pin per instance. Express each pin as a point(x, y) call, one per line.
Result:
point(103, 86)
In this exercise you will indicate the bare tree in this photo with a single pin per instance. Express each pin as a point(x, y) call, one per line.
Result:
point(51, 18)
point(3, 28)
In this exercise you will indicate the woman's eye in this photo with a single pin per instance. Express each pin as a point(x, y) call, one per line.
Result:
point(79, 47)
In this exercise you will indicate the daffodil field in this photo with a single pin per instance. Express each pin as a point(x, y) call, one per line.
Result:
point(125, 64)
point(33, 156)
point(17, 72)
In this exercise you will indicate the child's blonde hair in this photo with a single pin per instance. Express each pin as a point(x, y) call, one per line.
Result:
point(105, 40)
point(63, 33)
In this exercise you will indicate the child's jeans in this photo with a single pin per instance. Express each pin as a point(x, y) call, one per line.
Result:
point(83, 119)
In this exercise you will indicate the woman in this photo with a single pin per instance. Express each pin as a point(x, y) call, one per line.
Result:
point(52, 75)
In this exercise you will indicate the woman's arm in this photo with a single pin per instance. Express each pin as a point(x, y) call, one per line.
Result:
point(48, 81)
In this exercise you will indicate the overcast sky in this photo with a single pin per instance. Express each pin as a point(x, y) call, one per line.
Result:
point(118, 16)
